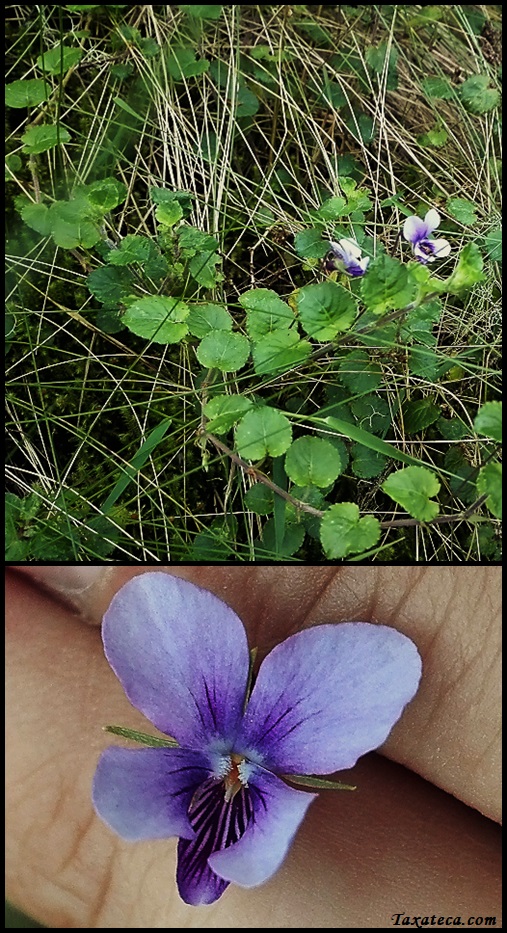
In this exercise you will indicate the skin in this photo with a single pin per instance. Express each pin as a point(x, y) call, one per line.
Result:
point(418, 837)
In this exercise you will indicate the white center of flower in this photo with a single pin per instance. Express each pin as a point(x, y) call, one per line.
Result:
point(235, 778)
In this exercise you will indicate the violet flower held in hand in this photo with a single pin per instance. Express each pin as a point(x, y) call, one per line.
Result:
point(418, 232)
point(322, 698)
point(346, 256)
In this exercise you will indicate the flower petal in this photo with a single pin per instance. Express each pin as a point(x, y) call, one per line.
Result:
point(329, 694)
point(414, 229)
point(441, 248)
point(197, 883)
point(145, 793)
point(432, 220)
point(278, 811)
point(218, 823)
point(350, 249)
point(181, 655)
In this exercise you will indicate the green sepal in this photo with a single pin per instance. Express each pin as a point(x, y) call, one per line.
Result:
point(320, 783)
point(141, 737)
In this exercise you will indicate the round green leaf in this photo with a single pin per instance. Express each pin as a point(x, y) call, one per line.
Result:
point(312, 461)
point(25, 93)
point(279, 351)
point(411, 488)
point(206, 317)
point(488, 421)
point(493, 244)
point(110, 286)
point(477, 96)
point(157, 318)
point(435, 86)
point(260, 499)
point(490, 481)
point(387, 285)
point(41, 138)
point(223, 350)
point(59, 59)
point(358, 373)
point(266, 312)
point(343, 532)
point(37, 217)
point(263, 431)
point(131, 249)
point(293, 538)
point(224, 410)
point(462, 210)
point(325, 309)
point(106, 194)
point(367, 463)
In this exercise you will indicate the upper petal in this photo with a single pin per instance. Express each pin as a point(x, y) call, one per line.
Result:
point(415, 229)
point(350, 249)
point(329, 694)
point(181, 655)
point(277, 813)
point(432, 220)
point(145, 793)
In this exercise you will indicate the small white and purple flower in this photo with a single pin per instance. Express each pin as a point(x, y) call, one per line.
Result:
point(321, 698)
point(345, 255)
point(418, 232)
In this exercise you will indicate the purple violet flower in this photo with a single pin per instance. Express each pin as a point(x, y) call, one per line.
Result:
point(322, 698)
point(418, 231)
point(346, 256)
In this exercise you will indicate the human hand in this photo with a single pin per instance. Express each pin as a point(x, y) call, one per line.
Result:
point(399, 844)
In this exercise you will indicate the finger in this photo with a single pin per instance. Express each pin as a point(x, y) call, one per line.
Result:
point(396, 844)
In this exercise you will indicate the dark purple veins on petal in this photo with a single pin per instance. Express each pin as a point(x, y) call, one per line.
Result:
point(218, 824)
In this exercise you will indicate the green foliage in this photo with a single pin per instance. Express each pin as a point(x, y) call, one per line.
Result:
point(223, 411)
point(438, 87)
point(26, 93)
point(110, 286)
point(325, 309)
point(493, 244)
point(477, 96)
point(436, 137)
point(263, 431)
point(312, 461)
point(462, 210)
point(358, 373)
point(206, 317)
point(468, 272)
point(376, 57)
point(412, 488)
point(130, 471)
point(488, 421)
point(202, 12)
point(419, 414)
point(266, 312)
point(387, 286)
point(259, 499)
point(279, 351)
point(343, 532)
point(38, 139)
point(226, 351)
point(489, 483)
point(59, 59)
point(158, 318)
point(309, 243)
point(293, 537)
point(182, 64)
